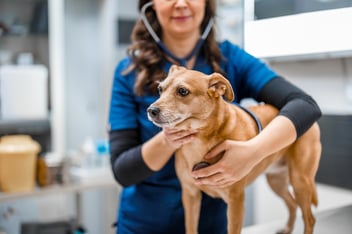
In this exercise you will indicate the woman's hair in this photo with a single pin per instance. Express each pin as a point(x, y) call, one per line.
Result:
point(147, 57)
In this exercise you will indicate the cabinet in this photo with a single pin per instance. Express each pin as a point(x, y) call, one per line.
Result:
point(36, 27)
point(24, 28)
point(81, 54)
point(296, 29)
point(24, 40)
point(73, 203)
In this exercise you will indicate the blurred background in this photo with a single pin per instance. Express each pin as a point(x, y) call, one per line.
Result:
point(57, 60)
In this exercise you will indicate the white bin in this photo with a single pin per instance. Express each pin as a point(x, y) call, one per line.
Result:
point(23, 92)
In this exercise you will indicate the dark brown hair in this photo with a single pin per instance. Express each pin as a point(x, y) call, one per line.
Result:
point(148, 58)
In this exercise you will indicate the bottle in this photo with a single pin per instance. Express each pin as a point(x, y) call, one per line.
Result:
point(103, 155)
point(89, 153)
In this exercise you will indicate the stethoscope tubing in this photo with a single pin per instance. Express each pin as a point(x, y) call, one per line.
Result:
point(151, 31)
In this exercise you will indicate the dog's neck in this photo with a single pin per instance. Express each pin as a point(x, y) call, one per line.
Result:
point(221, 116)
point(210, 134)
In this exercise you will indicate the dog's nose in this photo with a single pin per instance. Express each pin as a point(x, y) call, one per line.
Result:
point(153, 111)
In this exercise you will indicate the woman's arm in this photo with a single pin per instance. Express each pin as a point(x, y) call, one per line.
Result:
point(132, 162)
point(298, 112)
point(292, 102)
point(125, 156)
point(241, 156)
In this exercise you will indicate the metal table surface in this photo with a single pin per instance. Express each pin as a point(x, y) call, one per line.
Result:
point(337, 220)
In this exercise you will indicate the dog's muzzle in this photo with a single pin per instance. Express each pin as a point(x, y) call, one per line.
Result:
point(162, 119)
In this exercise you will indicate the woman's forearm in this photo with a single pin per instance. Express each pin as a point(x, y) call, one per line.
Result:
point(240, 157)
point(156, 152)
point(279, 133)
point(131, 161)
point(127, 163)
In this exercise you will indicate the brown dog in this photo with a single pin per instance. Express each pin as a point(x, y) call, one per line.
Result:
point(193, 100)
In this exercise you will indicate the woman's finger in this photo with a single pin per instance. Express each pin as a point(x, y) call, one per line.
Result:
point(218, 149)
point(206, 172)
point(177, 138)
point(212, 180)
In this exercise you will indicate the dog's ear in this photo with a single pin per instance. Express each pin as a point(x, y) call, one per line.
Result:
point(174, 68)
point(220, 86)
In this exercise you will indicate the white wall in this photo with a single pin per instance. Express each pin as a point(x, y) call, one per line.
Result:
point(329, 81)
point(91, 56)
point(83, 68)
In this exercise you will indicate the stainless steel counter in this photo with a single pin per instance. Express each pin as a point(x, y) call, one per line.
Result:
point(337, 220)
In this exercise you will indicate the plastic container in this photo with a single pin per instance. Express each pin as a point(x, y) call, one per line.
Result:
point(24, 91)
point(18, 156)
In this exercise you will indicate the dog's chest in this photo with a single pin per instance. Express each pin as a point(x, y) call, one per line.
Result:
point(194, 152)
point(186, 158)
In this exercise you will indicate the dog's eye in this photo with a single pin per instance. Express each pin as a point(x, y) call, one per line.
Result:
point(182, 92)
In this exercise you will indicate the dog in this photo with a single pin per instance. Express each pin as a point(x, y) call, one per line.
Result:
point(193, 100)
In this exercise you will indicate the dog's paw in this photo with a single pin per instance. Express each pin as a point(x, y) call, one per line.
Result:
point(285, 230)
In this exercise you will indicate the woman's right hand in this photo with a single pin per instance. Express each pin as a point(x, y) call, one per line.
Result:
point(158, 150)
point(176, 138)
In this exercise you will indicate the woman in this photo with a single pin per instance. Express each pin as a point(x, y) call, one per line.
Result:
point(181, 32)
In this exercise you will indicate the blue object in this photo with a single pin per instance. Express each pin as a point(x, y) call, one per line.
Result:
point(102, 147)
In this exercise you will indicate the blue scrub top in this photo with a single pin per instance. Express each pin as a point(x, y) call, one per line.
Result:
point(154, 205)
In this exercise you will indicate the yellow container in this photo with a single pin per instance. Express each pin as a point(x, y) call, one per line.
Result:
point(18, 156)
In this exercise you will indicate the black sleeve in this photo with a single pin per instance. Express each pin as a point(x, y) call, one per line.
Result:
point(292, 102)
point(127, 163)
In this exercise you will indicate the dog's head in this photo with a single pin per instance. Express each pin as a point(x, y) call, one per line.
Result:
point(188, 97)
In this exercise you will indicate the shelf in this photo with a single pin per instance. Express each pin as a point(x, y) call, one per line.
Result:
point(27, 35)
point(57, 189)
point(305, 57)
point(75, 189)
point(22, 126)
point(39, 129)
point(313, 35)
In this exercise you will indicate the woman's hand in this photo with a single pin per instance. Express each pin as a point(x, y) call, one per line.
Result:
point(164, 145)
point(176, 138)
point(239, 157)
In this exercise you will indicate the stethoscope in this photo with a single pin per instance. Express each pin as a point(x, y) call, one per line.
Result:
point(182, 61)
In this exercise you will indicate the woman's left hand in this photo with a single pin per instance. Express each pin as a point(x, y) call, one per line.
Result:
point(239, 157)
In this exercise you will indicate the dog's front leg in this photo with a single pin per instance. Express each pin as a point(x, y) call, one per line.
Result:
point(235, 210)
point(191, 200)
point(191, 195)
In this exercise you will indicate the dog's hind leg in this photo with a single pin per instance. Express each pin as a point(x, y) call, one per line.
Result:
point(305, 193)
point(303, 165)
point(304, 190)
point(303, 184)
point(279, 183)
